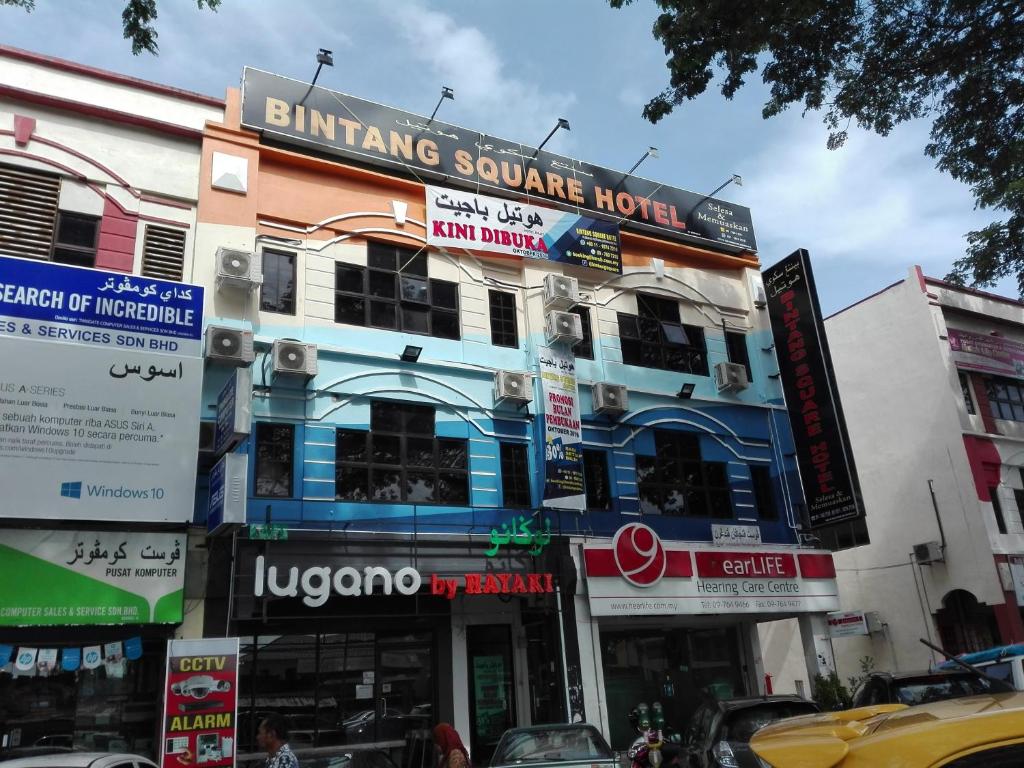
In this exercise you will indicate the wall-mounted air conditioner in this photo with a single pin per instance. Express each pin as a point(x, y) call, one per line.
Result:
point(512, 387)
point(294, 358)
point(238, 269)
point(612, 399)
point(561, 292)
point(928, 552)
point(563, 326)
point(231, 346)
point(731, 377)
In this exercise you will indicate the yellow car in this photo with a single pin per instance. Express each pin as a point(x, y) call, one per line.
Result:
point(975, 732)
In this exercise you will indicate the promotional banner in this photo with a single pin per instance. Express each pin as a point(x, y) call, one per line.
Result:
point(234, 410)
point(467, 220)
point(293, 112)
point(847, 624)
point(563, 438)
point(200, 703)
point(827, 471)
point(99, 398)
point(986, 354)
point(91, 577)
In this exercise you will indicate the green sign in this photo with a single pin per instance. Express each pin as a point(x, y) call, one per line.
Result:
point(57, 578)
point(519, 533)
point(491, 697)
point(268, 532)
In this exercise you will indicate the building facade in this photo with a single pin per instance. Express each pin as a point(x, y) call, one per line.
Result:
point(98, 194)
point(928, 376)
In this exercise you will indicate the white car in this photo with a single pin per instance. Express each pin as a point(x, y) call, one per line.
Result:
point(81, 760)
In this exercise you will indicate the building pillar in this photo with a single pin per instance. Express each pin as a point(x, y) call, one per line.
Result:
point(813, 625)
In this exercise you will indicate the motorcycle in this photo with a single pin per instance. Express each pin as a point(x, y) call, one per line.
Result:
point(655, 745)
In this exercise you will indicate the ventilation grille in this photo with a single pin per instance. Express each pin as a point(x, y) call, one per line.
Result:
point(163, 253)
point(28, 212)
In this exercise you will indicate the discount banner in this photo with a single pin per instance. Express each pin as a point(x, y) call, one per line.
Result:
point(563, 439)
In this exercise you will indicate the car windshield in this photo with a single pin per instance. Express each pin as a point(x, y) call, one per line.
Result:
point(538, 745)
point(741, 724)
point(921, 690)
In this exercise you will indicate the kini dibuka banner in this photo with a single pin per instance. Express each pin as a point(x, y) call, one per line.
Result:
point(823, 454)
point(563, 438)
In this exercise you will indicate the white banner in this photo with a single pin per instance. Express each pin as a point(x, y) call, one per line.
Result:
point(847, 624)
point(563, 437)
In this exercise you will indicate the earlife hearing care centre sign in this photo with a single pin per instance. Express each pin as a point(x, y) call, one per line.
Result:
point(563, 436)
point(99, 393)
point(59, 578)
point(477, 222)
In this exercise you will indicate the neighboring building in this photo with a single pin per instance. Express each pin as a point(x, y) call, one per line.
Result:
point(435, 567)
point(930, 376)
point(97, 171)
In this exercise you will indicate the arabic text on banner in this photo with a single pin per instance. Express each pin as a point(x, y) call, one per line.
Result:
point(563, 438)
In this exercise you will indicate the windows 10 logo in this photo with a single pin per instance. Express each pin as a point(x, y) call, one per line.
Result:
point(71, 490)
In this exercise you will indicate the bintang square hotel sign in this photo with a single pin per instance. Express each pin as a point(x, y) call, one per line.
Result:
point(292, 112)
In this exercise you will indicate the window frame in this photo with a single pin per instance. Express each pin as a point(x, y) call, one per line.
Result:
point(965, 390)
point(585, 347)
point(515, 475)
point(738, 352)
point(657, 315)
point(502, 315)
point(676, 454)
point(764, 493)
point(82, 250)
point(262, 426)
point(592, 453)
point(1002, 405)
point(279, 309)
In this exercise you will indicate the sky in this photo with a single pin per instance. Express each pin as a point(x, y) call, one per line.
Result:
point(866, 212)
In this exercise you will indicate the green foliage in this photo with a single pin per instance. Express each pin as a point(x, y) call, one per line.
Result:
point(136, 19)
point(878, 64)
point(831, 695)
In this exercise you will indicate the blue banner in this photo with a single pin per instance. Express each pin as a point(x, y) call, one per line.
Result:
point(70, 659)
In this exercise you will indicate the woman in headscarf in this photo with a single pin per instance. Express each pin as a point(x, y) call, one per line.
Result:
point(453, 752)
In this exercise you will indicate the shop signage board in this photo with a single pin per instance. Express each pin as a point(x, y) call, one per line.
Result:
point(99, 396)
point(827, 471)
point(847, 624)
point(200, 703)
point(71, 577)
point(292, 112)
point(638, 574)
point(226, 506)
point(1017, 574)
point(563, 437)
point(467, 220)
point(521, 531)
point(735, 535)
point(234, 410)
point(986, 354)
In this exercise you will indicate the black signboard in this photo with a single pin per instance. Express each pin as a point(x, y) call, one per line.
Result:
point(327, 121)
point(819, 430)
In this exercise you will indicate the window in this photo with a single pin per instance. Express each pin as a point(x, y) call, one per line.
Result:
point(163, 252)
point(28, 212)
point(503, 319)
point(277, 294)
point(965, 389)
point(736, 346)
point(677, 481)
point(74, 240)
point(515, 475)
point(654, 338)
point(584, 348)
point(275, 449)
point(764, 498)
point(595, 479)
point(997, 508)
point(1006, 398)
point(394, 291)
point(400, 459)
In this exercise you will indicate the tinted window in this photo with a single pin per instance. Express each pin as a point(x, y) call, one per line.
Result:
point(741, 724)
point(921, 690)
point(556, 744)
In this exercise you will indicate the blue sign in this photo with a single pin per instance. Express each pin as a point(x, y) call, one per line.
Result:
point(234, 410)
point(55, 293)
point(133, 648)
point(70, 659)
point(5, 654)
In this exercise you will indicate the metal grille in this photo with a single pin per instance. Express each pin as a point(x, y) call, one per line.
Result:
point(163, 252)
point(28, 212)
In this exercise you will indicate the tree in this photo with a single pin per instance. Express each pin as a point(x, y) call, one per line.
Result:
point(137, 19)
point(878, 63)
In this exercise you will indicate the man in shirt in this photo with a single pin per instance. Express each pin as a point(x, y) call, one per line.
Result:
point(272, 737)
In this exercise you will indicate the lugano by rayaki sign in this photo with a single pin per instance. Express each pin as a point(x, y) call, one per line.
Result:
point(318, 583)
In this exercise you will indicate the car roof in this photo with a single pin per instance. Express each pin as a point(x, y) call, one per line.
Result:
point(989, 654)
point(927, 734)
point(73, 760)
point(956, 671)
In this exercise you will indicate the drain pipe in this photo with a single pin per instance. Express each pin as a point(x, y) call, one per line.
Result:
point(938, 517)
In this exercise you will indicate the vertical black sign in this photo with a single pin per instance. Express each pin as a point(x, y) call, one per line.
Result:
point(819, 430)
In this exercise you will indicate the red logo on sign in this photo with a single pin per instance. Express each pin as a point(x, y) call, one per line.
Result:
point(639, 554)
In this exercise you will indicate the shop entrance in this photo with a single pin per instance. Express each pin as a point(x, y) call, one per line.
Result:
point(491, 687)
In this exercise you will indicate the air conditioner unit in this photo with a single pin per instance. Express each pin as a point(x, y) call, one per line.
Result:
point(563, 326)
point(874, 622)
point(928, 552)
point(238, 269)
point(232, 346)
point(760, 300)
point(293, 358)
point(561, 292)
point(513, 387)
point(612, 399)
point(207, 438)
point(731, 377)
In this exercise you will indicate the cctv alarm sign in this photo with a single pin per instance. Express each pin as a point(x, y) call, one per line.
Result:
point(99, 394)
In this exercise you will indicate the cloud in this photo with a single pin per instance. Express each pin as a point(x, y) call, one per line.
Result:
point(466, 59)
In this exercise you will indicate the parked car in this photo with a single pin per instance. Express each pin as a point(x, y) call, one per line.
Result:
point(975, 732)
point(1005, 662)
point(17, 753)
point(82, 760)
point(368, 758)
point(558, 746)
point(913, 688)
point(719, 732)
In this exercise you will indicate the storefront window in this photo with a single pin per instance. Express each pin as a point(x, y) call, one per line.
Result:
point(677, 667)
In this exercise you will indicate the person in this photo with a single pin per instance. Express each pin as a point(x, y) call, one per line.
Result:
point(272, 737)
point(453, 753)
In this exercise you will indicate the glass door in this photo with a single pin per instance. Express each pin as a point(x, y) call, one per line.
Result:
point(491, 687)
